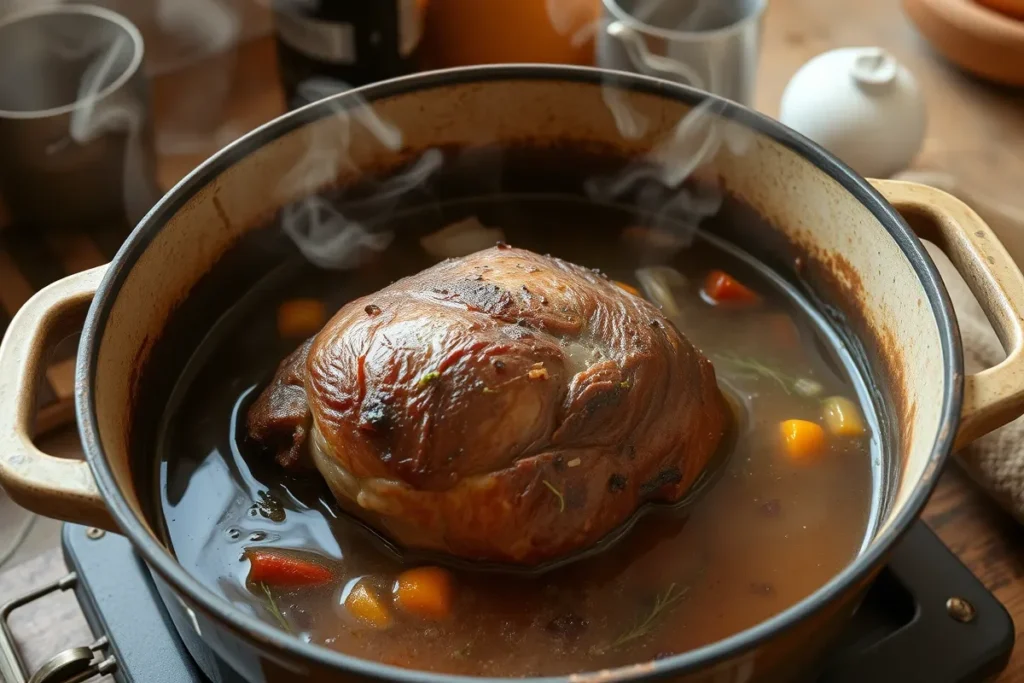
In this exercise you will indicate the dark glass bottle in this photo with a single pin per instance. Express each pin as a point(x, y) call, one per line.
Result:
point(324, 44)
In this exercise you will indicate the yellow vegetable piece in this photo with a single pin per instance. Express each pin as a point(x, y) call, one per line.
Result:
point(300, 318)
point(803, 440)
point(365, 605)
point(425, 592)
point(842, 417)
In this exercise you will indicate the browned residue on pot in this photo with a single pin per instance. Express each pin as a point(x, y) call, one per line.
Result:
point(837, 283)
point(836, 280)
point(221, 213)
point(138, 363)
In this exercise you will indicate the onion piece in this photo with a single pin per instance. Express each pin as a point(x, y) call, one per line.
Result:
point(663, 285)
point(807, 388)
point(842, 417)
point(459, 239)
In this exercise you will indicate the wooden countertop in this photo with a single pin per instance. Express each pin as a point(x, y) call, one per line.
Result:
point(976, 135)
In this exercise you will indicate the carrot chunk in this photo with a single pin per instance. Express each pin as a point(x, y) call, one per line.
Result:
point(627, 288)
point(722, 288)
point(803, 440)
point(300, 318)
point(425, 592)
point(364, 604)
point(285, 569)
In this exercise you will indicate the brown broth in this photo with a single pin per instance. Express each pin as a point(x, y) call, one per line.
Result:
point(766, 533)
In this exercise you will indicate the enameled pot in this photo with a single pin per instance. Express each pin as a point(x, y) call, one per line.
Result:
point(855, 253)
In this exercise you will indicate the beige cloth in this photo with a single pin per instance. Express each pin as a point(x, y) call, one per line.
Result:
point(995, 461)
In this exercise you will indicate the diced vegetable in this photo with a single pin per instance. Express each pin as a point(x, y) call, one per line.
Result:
point(842, 417)
point(365, 605)
point(281, 568)
point(722, 288)
point(627, 288)
point(425, 592)
point(300, 318)
point(461, 238)
point(807, 388)
point(783, 330)
point(803, 440)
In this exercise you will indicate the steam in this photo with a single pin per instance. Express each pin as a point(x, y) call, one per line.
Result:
point(573, 19)
point(660, 182)
point(197, 29)
point(325, 236)
point(120, 112)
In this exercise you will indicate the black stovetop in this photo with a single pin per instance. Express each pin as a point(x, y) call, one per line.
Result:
point(905, 630)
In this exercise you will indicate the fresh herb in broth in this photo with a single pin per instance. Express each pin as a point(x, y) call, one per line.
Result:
point(275, 611)
point(747, 367)
point(645, 624)
point(769, 520)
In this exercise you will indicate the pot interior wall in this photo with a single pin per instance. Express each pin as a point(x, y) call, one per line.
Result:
point(180, 274)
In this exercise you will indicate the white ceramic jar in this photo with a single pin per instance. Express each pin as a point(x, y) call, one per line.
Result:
point(860, 104)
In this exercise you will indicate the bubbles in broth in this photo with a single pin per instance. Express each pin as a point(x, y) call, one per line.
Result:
point(790, 506)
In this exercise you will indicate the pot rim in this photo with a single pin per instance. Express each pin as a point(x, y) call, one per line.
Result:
point(265, 635)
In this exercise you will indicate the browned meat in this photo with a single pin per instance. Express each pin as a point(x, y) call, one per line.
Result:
point(503, 406)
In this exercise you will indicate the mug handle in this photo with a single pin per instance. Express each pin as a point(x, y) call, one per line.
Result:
point(61, 488)
point(995, 396)
point(664, 67)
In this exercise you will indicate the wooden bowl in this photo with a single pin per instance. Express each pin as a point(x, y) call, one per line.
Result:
point(980, 40)
point(1013, 8)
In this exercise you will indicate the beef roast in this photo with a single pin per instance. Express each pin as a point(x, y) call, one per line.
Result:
point(503, 406)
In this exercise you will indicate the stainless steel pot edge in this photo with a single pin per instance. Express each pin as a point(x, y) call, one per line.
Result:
point(267, 636)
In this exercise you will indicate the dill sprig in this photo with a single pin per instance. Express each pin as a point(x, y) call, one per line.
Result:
point(558, 494)
point(275, 611)
point(754, 368)
point(645, 623)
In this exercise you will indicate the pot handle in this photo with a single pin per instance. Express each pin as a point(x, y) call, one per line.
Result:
point(61, 488)
point(995, 396)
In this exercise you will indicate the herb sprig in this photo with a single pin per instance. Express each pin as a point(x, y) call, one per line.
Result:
point(752, 368)
point(645, 623)
point(275, 611)
point(558, 494)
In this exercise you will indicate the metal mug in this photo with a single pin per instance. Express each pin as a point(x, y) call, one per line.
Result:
point(76, 140)
point(708, 44)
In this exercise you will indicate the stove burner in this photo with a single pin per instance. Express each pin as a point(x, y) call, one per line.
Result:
point(925, 618)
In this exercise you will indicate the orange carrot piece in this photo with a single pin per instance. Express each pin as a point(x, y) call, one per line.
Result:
point(364, 604)
point(300, 318)
point(627, 288)
point(425, 592)
point(285, 569)
point(722, 288)
point(803, 440)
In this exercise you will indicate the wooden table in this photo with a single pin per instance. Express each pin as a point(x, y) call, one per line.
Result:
point(976, 134)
